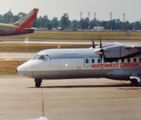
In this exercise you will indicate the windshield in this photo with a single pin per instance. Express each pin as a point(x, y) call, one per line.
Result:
point(36, 57)
point(41, 57)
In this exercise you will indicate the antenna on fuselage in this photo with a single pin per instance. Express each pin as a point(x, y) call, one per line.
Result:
point(58, 47)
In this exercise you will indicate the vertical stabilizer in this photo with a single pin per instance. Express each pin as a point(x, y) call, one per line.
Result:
point(28, 20)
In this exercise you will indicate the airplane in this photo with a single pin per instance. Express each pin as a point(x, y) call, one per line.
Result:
point(115, 61)
point(23, 26)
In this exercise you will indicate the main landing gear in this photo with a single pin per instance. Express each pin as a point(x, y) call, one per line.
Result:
point(38, 82)
point(135, 80)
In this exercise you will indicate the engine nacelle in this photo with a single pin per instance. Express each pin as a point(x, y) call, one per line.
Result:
point(115, 50)
point(118, 75)
point(118, 51)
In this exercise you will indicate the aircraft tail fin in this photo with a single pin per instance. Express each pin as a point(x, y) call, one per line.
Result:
point(28, 20)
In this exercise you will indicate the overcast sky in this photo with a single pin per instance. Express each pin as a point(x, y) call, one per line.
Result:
point(56, 8)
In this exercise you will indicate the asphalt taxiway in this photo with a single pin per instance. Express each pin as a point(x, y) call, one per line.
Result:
point(85, 99)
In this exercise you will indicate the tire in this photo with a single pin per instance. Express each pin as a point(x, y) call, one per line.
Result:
point(37, 84)
point(134, 82)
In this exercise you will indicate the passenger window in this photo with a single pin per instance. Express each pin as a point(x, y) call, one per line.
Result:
point(86, 61)
point(135, 60)
point(104, 61)
point(122, 60)
point(98, 60)
point(140, 59)
point(93, 61)
point(128, 60)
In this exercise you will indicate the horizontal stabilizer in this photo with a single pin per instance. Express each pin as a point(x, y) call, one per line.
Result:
point(29, 30)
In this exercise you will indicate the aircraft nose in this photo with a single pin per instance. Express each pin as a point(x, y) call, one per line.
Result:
point(24, 70)
point(19, 70)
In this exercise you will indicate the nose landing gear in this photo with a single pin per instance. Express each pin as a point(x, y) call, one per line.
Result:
point(38, 82)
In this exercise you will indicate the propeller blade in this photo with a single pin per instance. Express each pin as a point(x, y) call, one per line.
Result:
point(101, 56)
point(93, 44)
point(100, 40)
point(101, 51)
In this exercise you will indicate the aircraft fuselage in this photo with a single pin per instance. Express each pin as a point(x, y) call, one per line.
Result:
point(77, 63)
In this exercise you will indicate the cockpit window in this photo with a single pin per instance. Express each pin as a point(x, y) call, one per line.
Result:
point(36, 57)
point(41, 57)
point(47, 58)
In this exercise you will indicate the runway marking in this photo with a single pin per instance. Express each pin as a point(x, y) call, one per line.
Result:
point(8, 59)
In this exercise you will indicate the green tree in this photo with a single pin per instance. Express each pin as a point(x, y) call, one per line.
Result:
point(15, 18)
point(64, 21)
point(74, 24)
point(1, 19)
point(55, 22)
point(5, 17)
point(85, 23)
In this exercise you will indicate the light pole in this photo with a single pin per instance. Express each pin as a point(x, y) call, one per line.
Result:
point(111, 21)
point(81, 20)
point(123, 21)
point(89, 20)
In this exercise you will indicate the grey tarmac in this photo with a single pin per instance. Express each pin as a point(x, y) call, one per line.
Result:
point(76, 99)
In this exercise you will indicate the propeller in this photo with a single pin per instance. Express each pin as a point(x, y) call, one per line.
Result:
point(101, 52)
point(101, 48)
point(93, 44)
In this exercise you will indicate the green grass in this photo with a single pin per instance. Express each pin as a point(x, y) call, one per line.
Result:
point(33, 48)
point(9, 67)
point(64, 35)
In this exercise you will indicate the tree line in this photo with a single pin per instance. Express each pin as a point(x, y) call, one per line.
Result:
point(43, 22)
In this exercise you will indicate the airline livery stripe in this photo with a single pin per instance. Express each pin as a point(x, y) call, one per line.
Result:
point(117, 65)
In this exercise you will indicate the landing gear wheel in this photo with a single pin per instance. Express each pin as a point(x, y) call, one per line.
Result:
point(37, 84)
point(134, 82)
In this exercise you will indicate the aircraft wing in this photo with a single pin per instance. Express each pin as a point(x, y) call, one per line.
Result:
point(133, 47)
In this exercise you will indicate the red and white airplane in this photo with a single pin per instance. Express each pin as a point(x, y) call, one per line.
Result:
point(23, 26)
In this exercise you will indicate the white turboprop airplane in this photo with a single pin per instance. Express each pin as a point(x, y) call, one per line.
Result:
point(115, 61)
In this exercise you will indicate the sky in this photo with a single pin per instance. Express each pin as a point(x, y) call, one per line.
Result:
point(56, 8)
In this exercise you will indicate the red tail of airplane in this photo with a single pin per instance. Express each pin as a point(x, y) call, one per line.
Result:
point(23, 26)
